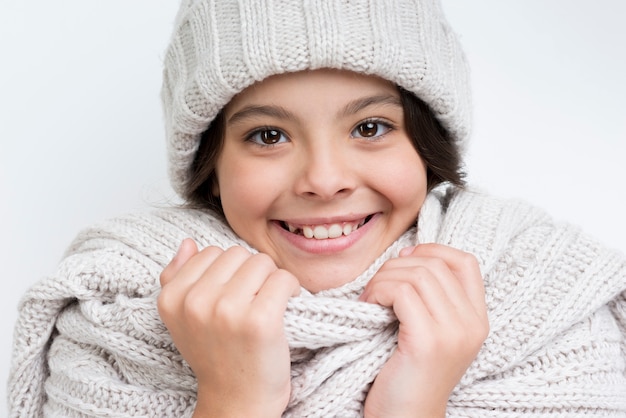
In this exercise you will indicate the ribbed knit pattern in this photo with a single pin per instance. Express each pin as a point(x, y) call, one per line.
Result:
point(220, 47)
point(89, 341)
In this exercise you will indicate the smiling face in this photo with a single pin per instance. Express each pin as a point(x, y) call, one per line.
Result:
point(318, 172)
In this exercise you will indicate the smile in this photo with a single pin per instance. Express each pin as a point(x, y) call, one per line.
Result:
point(326, 231)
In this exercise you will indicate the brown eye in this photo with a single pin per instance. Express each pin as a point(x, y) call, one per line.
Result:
point(370, 129)
point(267, 137)
point(270, 136)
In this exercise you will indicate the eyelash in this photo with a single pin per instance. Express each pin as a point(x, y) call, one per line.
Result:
point(387, 126)
point(250, 137)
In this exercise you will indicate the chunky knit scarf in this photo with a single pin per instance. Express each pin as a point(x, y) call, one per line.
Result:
point(89, 341)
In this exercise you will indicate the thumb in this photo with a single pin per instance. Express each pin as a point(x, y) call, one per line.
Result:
point(186, 250)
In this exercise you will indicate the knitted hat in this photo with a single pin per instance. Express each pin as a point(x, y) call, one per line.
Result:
point(220, 47)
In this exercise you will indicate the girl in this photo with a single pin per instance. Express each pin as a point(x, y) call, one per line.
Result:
point(330, 261)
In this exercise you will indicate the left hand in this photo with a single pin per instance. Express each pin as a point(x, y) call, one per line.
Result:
point(438, 296)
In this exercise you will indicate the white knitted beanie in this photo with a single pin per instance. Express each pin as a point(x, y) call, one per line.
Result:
point(220, 47)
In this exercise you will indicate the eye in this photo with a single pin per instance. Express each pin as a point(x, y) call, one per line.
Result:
point(371, 129)
point(267, 136)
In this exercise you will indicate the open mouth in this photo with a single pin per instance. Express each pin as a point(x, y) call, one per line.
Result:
point(325, 231)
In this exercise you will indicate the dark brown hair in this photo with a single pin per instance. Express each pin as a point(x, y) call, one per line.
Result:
point(431, 141)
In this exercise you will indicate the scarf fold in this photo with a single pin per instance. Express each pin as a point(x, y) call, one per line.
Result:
point(89, 340)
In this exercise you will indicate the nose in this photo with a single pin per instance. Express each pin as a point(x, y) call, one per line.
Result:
point(326, 172)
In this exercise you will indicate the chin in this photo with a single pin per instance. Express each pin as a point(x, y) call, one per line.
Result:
point(324, 279)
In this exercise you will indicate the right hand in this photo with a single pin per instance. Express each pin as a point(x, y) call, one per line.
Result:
point(224, 311)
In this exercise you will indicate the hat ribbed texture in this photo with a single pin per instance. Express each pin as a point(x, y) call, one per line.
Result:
point(220, 47)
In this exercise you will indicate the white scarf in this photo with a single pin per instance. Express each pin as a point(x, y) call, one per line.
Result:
point(89, 340)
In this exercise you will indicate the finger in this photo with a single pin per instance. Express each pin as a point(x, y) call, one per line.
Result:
point(409, 307)
point(418, 279)
point(176, 286)
point(194, 267)
point(272, 297)
point(250, 275)
point(186, 250)
point(464, 266)
point(211, 278)
point(275, 292)
point(198, 294)
point(407, 251)
point(441, 272)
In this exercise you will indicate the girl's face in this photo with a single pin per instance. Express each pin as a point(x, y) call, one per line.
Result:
point(318, 172)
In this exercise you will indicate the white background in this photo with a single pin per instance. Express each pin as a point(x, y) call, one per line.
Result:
point(81, 131)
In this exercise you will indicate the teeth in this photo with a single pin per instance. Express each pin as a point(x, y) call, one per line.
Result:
point(335, 231)
point(323, 232)
point(319, 232)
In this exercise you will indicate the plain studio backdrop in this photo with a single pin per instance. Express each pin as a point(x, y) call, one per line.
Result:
point(81, 130)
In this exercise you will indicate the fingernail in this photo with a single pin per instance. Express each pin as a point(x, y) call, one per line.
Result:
point(407, 251)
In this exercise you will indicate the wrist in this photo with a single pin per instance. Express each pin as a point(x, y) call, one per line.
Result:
point(420, 415)
point(421, 411)
point(220, 407)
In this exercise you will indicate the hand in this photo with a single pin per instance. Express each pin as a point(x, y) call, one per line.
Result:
point(224, 310)
point(438, 296)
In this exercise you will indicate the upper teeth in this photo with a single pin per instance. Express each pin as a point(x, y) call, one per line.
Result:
point(325, 232)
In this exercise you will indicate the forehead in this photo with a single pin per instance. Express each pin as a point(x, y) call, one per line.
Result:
point(325, 87)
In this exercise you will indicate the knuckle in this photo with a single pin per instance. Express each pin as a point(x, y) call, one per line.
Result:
point(436, 264)
point(405, 294)
point(264, 260)
point(211, 252)
point(468, 260)
point(195, 309)
point(166, 304)
point(164, 277)
point(405, 290)
point(285, 277)
point(237, 251)
point(420, 274)
point(212, 249)
point(223, 311)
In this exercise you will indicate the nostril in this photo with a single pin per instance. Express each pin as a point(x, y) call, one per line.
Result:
point(324, 184)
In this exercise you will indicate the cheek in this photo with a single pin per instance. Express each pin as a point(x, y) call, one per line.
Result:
point(246, 193)
point(403, 182)
point(238, 188)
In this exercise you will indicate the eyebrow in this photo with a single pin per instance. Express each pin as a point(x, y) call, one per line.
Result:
point(359, 104)
point(281, 113)
point(258, 110)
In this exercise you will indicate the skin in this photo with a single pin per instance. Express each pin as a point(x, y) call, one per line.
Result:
point(321, 171)
point(319, 148)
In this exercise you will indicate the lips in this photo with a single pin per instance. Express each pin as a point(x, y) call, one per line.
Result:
point(325, 231)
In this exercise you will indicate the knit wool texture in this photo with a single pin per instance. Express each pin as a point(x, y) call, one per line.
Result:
point(220, 47)
point(89, 341)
